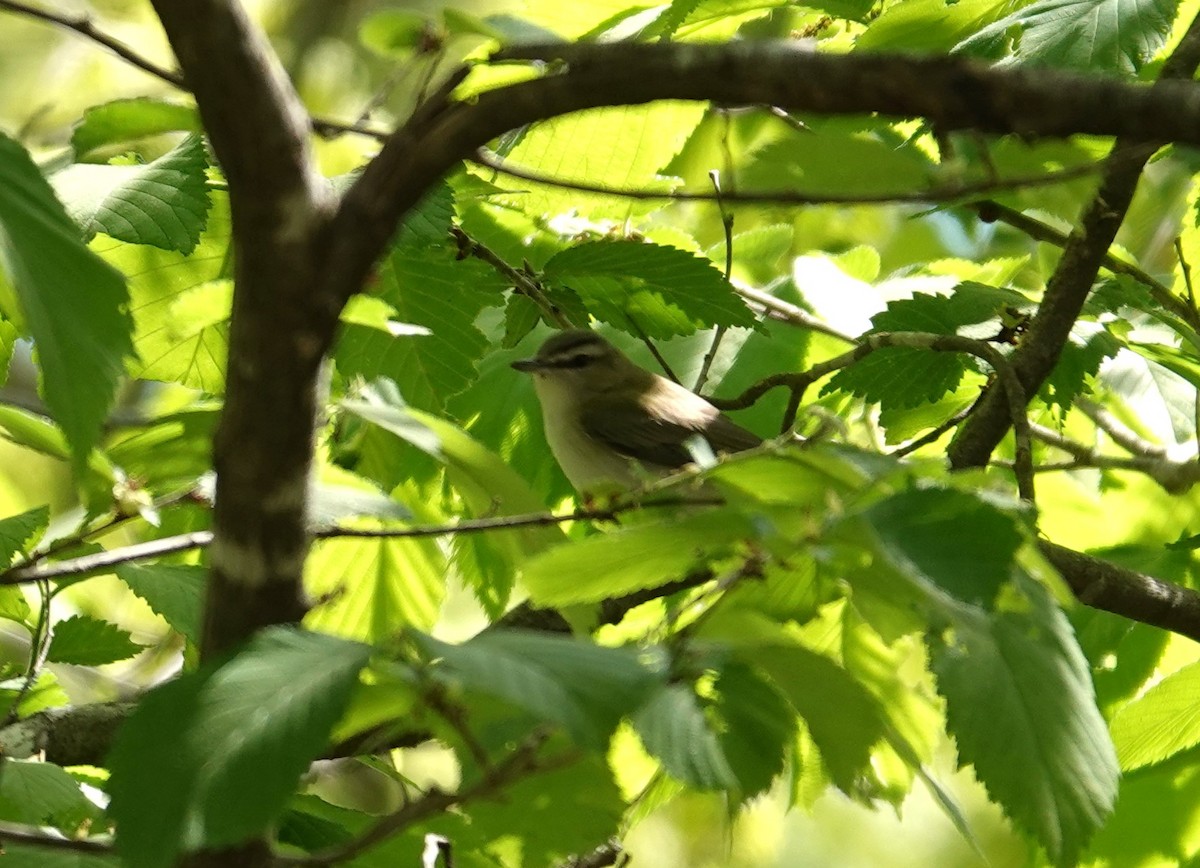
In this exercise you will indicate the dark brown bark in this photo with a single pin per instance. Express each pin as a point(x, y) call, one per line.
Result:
point(279, 330)
point(1069, 286)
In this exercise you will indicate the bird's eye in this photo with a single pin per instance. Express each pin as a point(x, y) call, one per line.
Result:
point(576, 361)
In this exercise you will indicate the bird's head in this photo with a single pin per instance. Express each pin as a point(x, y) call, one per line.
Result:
point(582, 362)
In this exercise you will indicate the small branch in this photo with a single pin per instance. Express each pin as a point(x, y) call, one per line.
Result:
point(31, 836)
point(727, 226)
point(1175, 477)
point(942, 193)
point(102, 562)
point(791, 313)
point(1069, 286)
point(1040, 231)
point(522, 281)
point(1011, 387)
point(1132, 595)
point(932, 435)
point(83, 25)
point(39, 648)
point(1125, 437)
point(606, 855)
point(520, 762)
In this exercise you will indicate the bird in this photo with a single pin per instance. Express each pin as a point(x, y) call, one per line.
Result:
point(611, 423)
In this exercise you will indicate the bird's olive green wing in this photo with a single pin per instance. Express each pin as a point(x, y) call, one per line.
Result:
point(659, 439)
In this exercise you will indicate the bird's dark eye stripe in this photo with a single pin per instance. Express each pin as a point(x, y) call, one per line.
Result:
point(576, 361)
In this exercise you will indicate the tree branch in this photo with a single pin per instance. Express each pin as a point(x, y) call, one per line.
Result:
point(951, 93)
point(31, 836)
point(521, 762)
point(103, 562)
point(1123, 592)
point(280, 327)
point(1069, 286)
point(934, 193)
point(83, 25)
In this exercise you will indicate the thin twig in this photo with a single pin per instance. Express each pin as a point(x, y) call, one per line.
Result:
point(1122, 435)
point(522, 281)
point(1014, 393)
point(935, 433)
point(34, 837)
point(943, 193)
point(789, 312)
point(39, 648)
point(1174, 476)
point(520, 762)
point(102, 562)
point(658, 357)
point(727, 226)
point(83, 25)
point(1039, 231)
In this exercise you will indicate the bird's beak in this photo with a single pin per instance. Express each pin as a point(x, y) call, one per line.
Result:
point(528, 365)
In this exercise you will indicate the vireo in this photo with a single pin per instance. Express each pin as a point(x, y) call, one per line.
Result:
point(604, 415)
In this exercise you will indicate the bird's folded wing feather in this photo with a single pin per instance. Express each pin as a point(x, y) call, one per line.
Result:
point(658, 437)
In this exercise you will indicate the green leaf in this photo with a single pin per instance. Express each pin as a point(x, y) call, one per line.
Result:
point(845, 721)
point(373, 587)
point(1159, 724)
point(158, 279)
point(42, 794)
point(163, 203)
point(626, 560)
point(620, 146)
point(716, 18)
point(75, 305)
point(85, 641)
point(17, 855)
point(1020, 705)
point(211, 758)
point(663, 290)
point(17, 532)
point(582, 797)
point(174, 591)
point(586, 688)
point(394, 32)
point(428, 223)
point(949, 539)
point(758, 726)
point(673, 727)
point(839, 157)
point(927, 26)
point(1081, 357)
point(9, 335)
point(13, 604)
point(124, 120)
point(1110, 36)
point(901, 377)
point(443, 295)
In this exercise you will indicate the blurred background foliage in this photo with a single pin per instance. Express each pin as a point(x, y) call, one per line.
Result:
point(844, 262)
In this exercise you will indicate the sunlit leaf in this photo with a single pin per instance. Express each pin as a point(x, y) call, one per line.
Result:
point(42, 794)
point(173, 591)
point(1160, 723)
point(1020, 704)
point(611, 564)
point(125, 120)
point(86, 641)
point(662, 291)
point(1110, 35)
point(17, 532)
point(163, 203)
